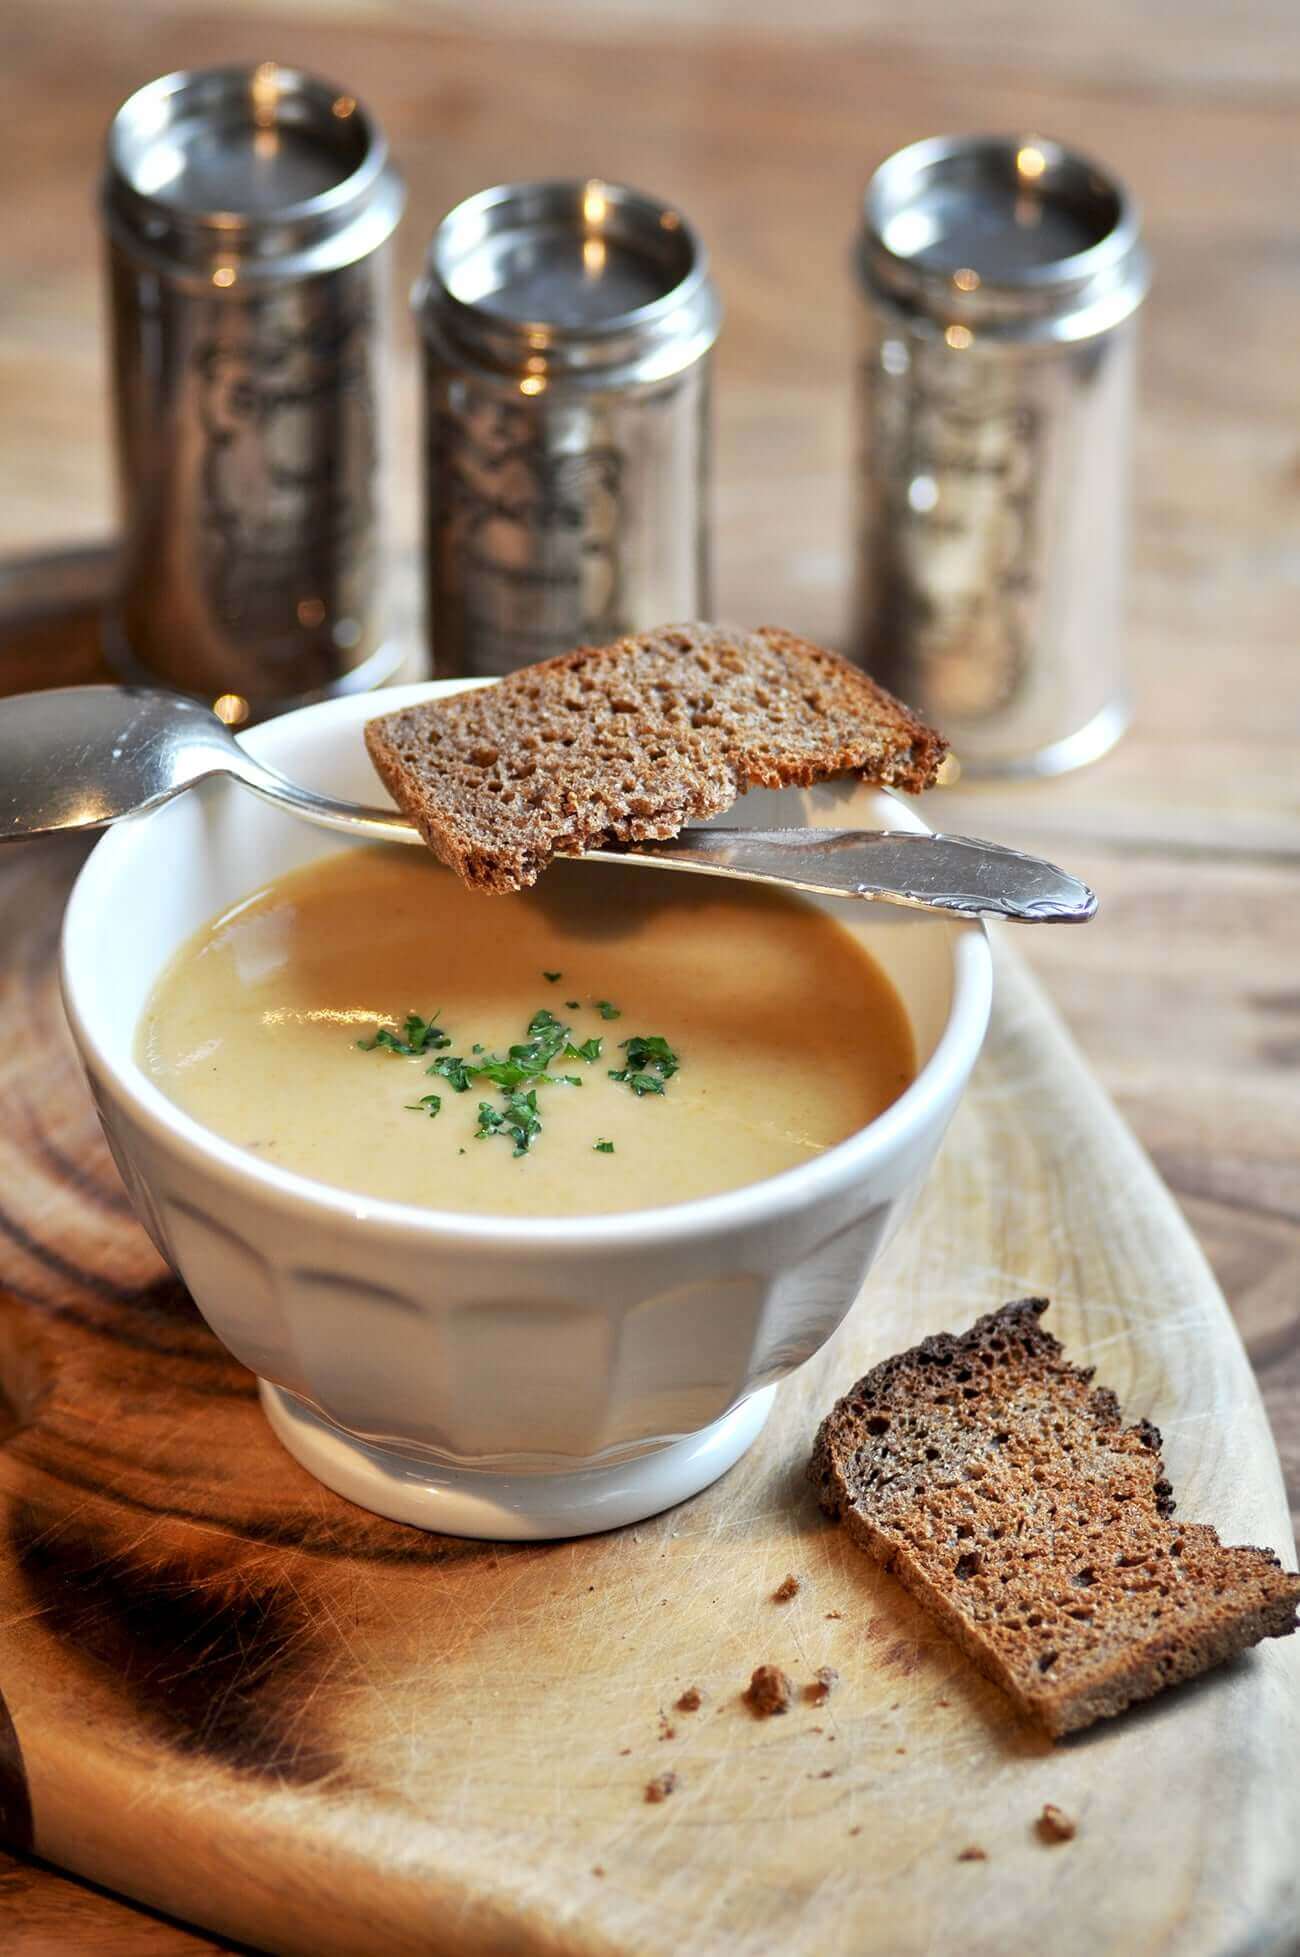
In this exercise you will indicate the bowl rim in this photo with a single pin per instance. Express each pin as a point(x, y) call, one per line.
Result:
point(751, 1206)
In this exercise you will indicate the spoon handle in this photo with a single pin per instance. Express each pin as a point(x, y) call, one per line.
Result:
point(358, 819)
point(956, 874)
point(927, 872)
point(79, 758)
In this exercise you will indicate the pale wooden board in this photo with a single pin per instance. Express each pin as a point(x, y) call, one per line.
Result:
point(243, 1701)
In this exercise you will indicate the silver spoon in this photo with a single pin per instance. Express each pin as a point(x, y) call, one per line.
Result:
point(79, 757)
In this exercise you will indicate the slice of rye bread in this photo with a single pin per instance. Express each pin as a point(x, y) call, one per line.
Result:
point(1001, 1488)
point(622, 743)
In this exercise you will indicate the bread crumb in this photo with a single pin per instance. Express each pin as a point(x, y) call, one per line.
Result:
point(660, 1787)
point(827, 1773)
point(1055, 1825)
point(855, 1831)
point(691, 1700)
point(769, 1691)
point(666, 1732)
point(973, 1854)
point(787, 1588)
point(822, 1686)
point(943, 1702)
point(623, 1752)
point(598, 1870)
point(900, 1749)
point(835, 1613)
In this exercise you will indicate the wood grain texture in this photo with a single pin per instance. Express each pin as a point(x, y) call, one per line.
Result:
point(765, 119)
point(245, 1702)
point(46, 1914)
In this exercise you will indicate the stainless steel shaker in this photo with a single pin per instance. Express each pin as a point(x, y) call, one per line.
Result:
point(246, 212)
point(566, 330)
point(1002, 278)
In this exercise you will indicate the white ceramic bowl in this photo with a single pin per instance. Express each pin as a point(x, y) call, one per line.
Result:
point(491, 1377)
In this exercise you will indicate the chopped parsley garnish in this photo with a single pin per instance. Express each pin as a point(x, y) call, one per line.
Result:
point(385, 1036)
point(523, 1068)
point(547, 1037)
point(648, 1049)
point(427, 1104)
point(552, 978)
point(505, 1074)
point(573, 1005)
point(651, 1064)
point(417, 1036)
point(518, 1121)
point(519, 1073)
point(457, 1072)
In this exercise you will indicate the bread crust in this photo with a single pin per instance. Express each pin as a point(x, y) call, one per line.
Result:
point(1002, 1489)
point(628, 743)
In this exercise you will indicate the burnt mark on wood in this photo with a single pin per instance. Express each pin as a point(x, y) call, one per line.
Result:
point(158, 1318)
point(59, 1266)
point(94, 1180)
point(219, 1663)
point(338, 1530)
point(91, 1283)
point(15, 1800)
point(12, 1418)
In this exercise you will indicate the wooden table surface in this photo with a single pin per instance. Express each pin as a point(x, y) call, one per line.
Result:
point(764, 120)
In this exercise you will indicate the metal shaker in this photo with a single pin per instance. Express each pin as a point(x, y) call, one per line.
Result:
point(246, 212)
point(1002, 278)
point(566, 330)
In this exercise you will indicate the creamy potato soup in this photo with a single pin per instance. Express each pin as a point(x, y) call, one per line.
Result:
point(612, 1040)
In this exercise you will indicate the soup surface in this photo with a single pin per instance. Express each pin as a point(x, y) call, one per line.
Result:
point(311, 1022)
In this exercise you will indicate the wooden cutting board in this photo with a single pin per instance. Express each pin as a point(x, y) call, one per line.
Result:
point(236, 1697)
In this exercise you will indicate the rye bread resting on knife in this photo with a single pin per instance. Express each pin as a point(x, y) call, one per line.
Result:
point(990, 1476)
point(633, 741)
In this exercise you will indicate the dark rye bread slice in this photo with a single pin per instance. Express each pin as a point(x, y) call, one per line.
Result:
point(622, 743)
point(1001, 1488)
